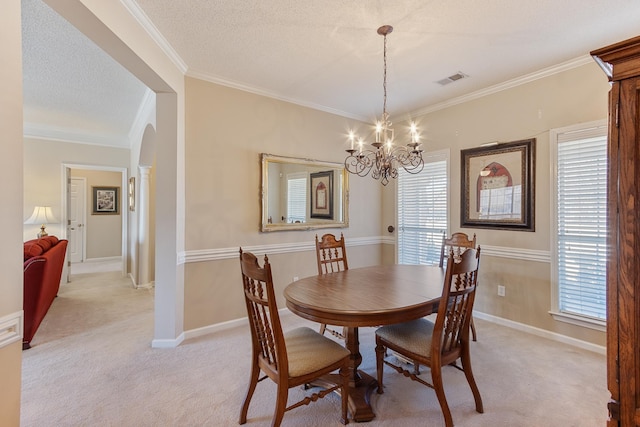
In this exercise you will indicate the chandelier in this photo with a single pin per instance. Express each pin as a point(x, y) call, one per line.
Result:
point(385, 158)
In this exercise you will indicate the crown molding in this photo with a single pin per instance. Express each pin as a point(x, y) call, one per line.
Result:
point(156, 35)
point(62, 134)
point(545, 72)
point(269, 94)
point(56, 133)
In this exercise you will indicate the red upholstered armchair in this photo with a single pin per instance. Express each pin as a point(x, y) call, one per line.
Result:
point(43, 265)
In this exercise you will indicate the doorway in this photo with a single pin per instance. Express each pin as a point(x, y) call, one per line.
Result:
point(94, 239)
point(77, 218)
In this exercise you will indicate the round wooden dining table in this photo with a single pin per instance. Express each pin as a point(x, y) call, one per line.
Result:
point(369, 296)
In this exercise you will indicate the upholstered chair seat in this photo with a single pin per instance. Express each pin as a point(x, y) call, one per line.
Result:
point(309, 351)
point(414, 336)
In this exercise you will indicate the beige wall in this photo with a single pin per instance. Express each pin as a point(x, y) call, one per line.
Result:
point(227, 130)
point(104, 232)
point(43, 175)
point(11, 210)
point(527, 111)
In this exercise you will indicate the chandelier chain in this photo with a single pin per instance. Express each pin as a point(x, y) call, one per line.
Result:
point(384, 81)
point(385, 158)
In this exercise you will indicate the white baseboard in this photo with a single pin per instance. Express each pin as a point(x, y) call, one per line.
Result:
point(103, 259)
point(168, 343)
point(133, 280)
point(541, 332)
point(206, 330)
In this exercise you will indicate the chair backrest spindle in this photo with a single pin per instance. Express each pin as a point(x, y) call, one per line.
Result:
point(266, 330)
point(454, 316)
point(331, 254)
point(458, 243)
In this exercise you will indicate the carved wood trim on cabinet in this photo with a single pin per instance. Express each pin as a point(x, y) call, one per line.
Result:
point(621, 62)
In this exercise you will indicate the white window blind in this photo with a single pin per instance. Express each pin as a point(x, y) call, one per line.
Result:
point(423, 211)
point(296, 197)
point(581, 222)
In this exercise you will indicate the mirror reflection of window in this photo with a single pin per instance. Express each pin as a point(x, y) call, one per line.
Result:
point(296, 197)
point(280, 212)
point(498, 197)
point(501, 203)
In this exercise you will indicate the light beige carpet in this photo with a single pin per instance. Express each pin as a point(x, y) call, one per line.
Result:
point(92, 365)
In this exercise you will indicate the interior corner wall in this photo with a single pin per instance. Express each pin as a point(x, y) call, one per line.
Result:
point(226, 130)
point(530, 110)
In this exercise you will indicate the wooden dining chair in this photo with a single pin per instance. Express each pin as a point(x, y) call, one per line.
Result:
point(331, 255)
point(289, 359)
point(441, 343)
point(458, 243)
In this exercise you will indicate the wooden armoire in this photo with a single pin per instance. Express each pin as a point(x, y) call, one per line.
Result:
point(621, 62)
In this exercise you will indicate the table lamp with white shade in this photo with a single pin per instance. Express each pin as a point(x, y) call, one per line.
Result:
point(42, 215)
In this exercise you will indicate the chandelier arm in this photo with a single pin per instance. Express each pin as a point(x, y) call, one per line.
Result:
point(360, 163)
point(384, 161)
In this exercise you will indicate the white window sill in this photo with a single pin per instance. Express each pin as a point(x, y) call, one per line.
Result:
point(585, 322)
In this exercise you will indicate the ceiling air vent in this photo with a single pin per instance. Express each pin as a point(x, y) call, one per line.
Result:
point(457, 76)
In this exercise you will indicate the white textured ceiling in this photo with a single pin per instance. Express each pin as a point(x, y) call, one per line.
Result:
point(72, 89)
point(324, 54)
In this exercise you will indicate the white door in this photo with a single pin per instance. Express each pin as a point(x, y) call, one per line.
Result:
point(77, 207)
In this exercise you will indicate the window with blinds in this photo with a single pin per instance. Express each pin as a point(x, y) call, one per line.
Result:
point(296, 197)
point(423, 211)
point(580, 252)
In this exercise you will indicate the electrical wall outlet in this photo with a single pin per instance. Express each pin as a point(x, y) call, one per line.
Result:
point(501, 290)
point(295, 278)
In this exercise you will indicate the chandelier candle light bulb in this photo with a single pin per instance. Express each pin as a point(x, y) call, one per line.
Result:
point(383, 161)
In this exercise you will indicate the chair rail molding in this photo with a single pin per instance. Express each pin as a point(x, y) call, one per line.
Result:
point(278, 248)
point(203, 255)
point(11, 328)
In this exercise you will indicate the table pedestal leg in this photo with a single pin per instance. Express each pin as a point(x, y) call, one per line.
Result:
point(361, 385)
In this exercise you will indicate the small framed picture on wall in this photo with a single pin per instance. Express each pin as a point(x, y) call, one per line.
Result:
point(105, 201)
point(322, 195)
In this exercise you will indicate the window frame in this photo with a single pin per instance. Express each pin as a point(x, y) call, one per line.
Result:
point(431, 156)
point(298, 176)
point(596, 128)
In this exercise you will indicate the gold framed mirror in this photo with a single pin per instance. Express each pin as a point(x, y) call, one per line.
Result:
point(303, 194)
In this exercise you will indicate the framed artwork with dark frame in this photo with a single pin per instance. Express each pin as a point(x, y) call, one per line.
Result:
point(321, 195)
point(498, 186)
point(105, 201)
